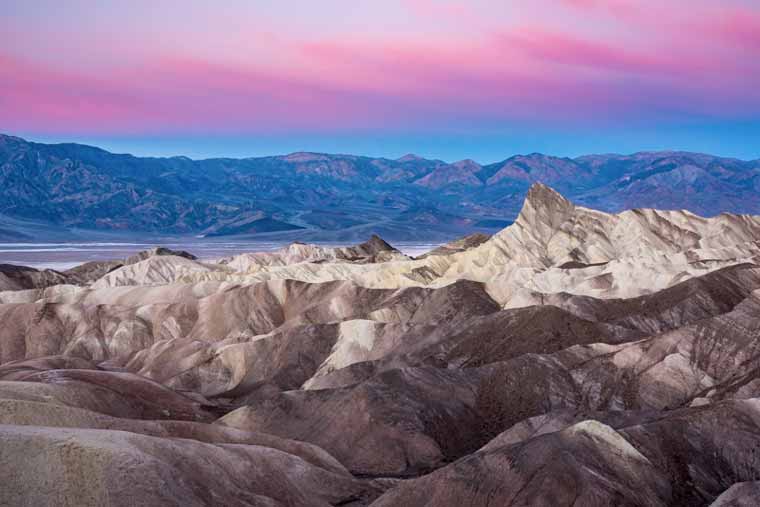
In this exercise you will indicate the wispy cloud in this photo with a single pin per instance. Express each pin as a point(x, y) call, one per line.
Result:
point(646, 59)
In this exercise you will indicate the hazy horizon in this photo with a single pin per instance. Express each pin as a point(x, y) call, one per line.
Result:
point(114, 148)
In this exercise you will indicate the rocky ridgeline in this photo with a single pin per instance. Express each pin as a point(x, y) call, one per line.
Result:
point(573, 358)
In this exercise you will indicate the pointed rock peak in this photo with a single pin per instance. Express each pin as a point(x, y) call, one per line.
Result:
point(544, 205)
point(376, 244)
point(538, 192)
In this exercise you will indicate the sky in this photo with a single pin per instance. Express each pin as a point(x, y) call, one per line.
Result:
point(440, 78)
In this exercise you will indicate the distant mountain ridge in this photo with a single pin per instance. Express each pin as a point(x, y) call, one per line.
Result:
point(314, 195)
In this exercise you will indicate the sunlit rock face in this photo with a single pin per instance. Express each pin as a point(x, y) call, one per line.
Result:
point(575, 357)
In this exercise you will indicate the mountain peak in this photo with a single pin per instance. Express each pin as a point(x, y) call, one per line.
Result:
point(467, 163)
point(376, 244)
point(409, 157)
point(544, 205)
point(540, 193)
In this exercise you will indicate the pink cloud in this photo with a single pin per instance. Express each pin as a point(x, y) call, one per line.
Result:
point(539, 73)
point(183, 94)
point(740, 26)
point(566, 49)
point(672, 60)
point(31, 96)
point(529, 63)
point(713, 24)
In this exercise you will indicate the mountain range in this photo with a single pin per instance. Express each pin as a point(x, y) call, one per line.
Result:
point(49, 189)
point(575, 357)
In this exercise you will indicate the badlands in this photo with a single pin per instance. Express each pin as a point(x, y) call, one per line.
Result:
point(574, 358)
